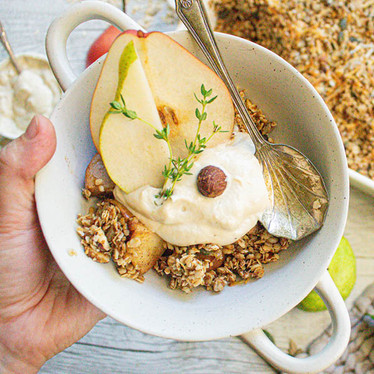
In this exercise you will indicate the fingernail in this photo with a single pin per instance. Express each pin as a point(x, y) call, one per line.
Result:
point(33, 128)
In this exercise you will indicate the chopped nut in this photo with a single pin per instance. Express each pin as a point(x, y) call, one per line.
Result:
point(86, 193)
point(72, 253)
point(316, 204)
point(133, 243)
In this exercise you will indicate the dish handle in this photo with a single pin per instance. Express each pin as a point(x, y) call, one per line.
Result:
point(328, 355)
point(59, 31)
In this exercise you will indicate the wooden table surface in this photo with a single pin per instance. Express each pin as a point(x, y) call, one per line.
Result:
point(113, 348)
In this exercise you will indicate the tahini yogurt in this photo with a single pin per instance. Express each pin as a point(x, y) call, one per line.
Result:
point(188, 217)
point(34, 91)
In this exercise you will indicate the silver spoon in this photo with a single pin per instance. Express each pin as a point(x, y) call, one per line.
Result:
point(297, 193)
point(5, 42)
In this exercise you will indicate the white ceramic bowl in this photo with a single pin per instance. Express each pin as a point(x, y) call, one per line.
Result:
point(304, 122)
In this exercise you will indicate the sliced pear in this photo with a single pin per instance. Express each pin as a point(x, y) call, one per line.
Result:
point(174, 75)
point(106, 89)
point(132, 156)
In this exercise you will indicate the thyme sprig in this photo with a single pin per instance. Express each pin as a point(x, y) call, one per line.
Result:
point(121, 107)
point(182, 166)
point(177, 167)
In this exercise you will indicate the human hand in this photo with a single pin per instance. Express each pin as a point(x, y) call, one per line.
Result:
point(41, 313)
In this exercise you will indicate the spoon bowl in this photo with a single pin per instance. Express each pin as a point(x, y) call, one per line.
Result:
point(296, 190)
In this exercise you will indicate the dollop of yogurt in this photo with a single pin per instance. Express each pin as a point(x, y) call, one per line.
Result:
point(188, 217)
point(34, 91)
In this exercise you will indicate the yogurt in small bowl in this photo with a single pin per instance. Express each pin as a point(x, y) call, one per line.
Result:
point(34, 91)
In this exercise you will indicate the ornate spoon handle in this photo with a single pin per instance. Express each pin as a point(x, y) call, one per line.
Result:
point(4, 40)
point(194, 16)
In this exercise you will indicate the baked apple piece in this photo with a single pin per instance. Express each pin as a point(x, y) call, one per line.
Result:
point(97, 180)
point(144, 247)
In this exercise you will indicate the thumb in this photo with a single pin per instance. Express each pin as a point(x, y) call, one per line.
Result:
point(20, 160)
point(25, 156)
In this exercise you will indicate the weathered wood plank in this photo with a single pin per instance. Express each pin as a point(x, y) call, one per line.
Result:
point(113, 348)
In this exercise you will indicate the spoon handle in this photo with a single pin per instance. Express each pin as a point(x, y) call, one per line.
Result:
point(6, 44)
point(194, 16)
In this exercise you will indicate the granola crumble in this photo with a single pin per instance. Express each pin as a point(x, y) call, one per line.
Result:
point(332, 44)
point(241, 261)
point(103, 233)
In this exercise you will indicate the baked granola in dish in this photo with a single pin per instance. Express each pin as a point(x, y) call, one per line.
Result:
point(109, 232)
point(332, 44)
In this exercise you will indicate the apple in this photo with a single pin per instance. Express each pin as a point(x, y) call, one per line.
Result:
point(159, 85)
point(143, 256)
point(96, 171)
point(102, 44)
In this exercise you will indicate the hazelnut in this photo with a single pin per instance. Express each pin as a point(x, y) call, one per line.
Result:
point(211, 181)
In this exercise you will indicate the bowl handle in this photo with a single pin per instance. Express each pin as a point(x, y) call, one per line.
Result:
point(62, 27)
point(328, 355)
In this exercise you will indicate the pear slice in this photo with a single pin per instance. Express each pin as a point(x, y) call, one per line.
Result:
point(106, 88)
point(173, 75)
point(132, 156)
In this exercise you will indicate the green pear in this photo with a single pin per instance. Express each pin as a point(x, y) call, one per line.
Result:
point(342, 269)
